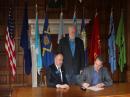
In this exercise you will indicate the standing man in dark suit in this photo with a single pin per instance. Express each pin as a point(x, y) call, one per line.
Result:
point(73, 51)
point(95, 75)
point(55, 73)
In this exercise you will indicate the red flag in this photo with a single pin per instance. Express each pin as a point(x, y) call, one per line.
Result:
point(10, 44)
point(95, 47)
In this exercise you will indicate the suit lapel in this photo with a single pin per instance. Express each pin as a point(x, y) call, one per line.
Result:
point(55, 70)
point(75, 47)
point(100, 72)
point(57, 73)
point(68, 45)
point(54, 67)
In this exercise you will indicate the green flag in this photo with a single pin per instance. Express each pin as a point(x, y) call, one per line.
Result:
point(120, 42)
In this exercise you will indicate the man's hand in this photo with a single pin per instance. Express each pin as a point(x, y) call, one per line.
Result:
point(81, 71)
point(64, 86)
point(100, 85)
point(85, 85)
point(58, 86)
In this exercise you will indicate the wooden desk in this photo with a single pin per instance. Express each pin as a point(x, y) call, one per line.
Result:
point(117, 90)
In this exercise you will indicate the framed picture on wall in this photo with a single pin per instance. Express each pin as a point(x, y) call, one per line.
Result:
point(56, 4)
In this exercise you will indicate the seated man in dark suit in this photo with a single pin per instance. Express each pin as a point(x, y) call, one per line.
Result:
point(55, 73)
point(95, 75)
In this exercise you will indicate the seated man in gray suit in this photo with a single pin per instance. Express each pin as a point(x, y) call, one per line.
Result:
point(95, 75)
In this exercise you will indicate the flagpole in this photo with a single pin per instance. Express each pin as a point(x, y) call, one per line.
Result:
point(38, 82)
point(24, 61)
point(10, 86)
point(75, 5)
point(9, 45)
point(10, 77)
point(23, 65)
point(75, 8)
point(10, 81)
point(122, 11)
point(36, 8)
point(23, 69)
point(10, 89)
point(9, 74)
point(14, 77)
point(61, 5)
point(43, 71)
point(83, 11)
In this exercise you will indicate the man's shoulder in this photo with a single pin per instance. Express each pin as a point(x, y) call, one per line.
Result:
point(88, 68)
point(51, 67)
point(104, 68)
point(78, 40)
point(67, 38)
point(64, 39)
point(91, 67)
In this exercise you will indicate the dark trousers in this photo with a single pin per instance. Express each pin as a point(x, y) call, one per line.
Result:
point(71, 78)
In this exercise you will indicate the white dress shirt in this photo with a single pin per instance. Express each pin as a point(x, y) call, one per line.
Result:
point(59, 69)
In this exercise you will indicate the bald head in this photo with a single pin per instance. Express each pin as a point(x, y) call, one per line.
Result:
point(71, 31)
point(58, 59)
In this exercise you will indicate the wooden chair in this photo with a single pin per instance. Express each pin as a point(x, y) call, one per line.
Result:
point(43, 77)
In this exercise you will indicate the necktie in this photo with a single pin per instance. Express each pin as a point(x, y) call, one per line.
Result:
point(59, 69)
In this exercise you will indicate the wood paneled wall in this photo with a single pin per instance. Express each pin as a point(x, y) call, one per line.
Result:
point(90, 6)
point(128, 40)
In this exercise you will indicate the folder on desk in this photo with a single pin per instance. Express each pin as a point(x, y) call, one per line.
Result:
point(94, 88)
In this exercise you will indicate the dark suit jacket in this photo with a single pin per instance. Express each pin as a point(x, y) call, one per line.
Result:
point(76, 62)
point(87, 75)
point(53, 76)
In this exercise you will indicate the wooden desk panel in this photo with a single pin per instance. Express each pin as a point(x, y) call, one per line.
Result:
point(117, 90)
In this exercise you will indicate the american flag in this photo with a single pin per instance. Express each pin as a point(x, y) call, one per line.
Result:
point(10, 44)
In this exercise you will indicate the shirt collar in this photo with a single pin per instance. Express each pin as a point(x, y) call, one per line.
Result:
point(98, 70)
point(58, 67)
point(72, 40)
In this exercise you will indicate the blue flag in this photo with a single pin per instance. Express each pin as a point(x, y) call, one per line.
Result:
point(46, 23)
point(84, 38)
point(112, 45)
point(61, 30)
point(25, 43)
point(38, 46)
point(47, 54)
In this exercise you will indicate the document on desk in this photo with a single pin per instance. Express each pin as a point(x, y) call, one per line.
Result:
point(94, 88)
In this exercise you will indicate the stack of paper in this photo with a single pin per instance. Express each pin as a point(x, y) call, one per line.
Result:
point(94, 88)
